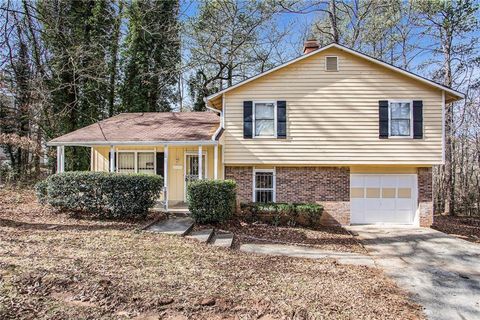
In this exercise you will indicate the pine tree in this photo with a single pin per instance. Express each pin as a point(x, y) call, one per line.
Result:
point(151, 56)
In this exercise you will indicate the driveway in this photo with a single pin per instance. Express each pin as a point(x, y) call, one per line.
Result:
point(442, 272)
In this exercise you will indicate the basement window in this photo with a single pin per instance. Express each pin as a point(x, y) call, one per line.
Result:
point(331, 63)
point(264, 186)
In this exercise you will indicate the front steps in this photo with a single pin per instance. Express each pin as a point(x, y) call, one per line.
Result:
point(180, 225)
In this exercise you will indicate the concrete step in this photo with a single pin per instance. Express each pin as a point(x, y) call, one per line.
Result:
point(223, 239)
point(173, 225)
point(204, 236)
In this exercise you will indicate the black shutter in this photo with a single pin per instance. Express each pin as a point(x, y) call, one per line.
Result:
point(160, 163)
point(281, 119)
point(247, 119)
point(383, 119)
point(418, 119)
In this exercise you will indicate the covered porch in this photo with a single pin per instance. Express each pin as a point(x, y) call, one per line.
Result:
point(188, 148)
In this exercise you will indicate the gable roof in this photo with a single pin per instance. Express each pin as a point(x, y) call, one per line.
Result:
point(154, 127)
point(412, 75)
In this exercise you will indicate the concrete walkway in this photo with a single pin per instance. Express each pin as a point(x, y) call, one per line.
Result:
point(442, 272)
point(308, 252)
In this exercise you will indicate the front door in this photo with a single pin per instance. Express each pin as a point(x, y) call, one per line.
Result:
point(191, 169)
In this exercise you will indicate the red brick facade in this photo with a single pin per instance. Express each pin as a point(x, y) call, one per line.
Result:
point(425, 196)
point(329, 186)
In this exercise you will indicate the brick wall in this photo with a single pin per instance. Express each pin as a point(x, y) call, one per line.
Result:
point(244, 178)
point(329, 186)
point(425, 196)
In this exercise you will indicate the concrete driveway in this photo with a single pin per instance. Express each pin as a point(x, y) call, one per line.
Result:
point(441, 272)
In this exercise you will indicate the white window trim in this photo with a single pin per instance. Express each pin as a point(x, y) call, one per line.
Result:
point(154, 151)
point(390, 119)
point(274, 196)
point(254, 129)
point(338, 64)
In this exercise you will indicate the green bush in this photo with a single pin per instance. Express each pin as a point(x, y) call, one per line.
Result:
point(41, 191)
point(101, 193)
point(211, 201)
point(291, 214)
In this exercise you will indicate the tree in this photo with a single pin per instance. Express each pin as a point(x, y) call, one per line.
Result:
point(151, 57)
point(449, 24)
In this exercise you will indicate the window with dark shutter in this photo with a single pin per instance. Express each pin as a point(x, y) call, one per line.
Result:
point(247, 119)
point(383, 119)
point(281, 119)
point(417, 119)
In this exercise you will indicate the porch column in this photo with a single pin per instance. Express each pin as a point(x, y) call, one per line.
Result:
point(165, 175)
point(215, 162)
point(200, 163)
point(60, 159)
point(112, 159)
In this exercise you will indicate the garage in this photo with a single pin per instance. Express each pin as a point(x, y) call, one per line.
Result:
point(383, 198)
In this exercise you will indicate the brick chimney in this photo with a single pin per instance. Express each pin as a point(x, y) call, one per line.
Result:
point(310, 45)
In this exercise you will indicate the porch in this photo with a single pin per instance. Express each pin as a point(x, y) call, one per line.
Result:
point(180, 147)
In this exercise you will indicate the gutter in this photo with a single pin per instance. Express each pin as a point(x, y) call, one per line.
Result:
point(137, 143)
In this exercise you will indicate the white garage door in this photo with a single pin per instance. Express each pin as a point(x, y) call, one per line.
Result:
point(383, 198)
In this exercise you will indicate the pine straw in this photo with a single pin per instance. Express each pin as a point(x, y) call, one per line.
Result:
point(467, 228)
point(89, 269)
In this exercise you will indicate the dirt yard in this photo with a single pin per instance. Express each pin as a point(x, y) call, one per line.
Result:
point(467, 228)
point(56, 267)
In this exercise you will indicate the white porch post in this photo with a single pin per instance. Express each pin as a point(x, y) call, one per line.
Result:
point(215, 162)
point(60, 159)
point(200, 163)
point(165, 175)
point(112, 159)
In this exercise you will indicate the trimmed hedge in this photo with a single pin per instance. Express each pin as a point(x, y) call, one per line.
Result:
point(101, 193)
point(211, 201)
point(291, 214)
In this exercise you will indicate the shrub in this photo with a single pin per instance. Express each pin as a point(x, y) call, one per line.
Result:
point(211, 201)
point(41, 191)
point(291, 214)
point(101, 193)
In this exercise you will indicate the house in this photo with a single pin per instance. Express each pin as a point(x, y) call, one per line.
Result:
point(333, 126)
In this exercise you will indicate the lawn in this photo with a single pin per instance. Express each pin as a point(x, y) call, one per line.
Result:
point(53, 266)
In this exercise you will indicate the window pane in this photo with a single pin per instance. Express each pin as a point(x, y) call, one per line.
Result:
point(400, 110)
point(126, 162)
point(264, 127)
point(146, 162)
point(264, 111)
point(264, 196)
point(400, 128)
point(264, 180)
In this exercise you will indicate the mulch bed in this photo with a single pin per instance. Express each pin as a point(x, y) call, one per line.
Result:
point(88, 269)
point(467, 228)
point(327, 238)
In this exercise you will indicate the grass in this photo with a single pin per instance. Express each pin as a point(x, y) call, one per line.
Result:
point(56, 267)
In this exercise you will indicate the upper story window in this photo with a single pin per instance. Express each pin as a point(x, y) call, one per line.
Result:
point(264, 119)
point(400, 117)
point(331, 63)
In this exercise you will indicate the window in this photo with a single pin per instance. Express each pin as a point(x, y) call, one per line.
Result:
point(331, 63)
point(146, 162)
point(126, 162)
point(264, 186)
point(136, 162)
point(264, 117)
point(400, 114)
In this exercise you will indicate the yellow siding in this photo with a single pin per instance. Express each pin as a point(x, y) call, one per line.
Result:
point(333, 116)
point(176, 167)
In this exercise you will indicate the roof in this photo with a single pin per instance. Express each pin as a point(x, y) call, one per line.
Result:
point(457, 94)
point(153, 127)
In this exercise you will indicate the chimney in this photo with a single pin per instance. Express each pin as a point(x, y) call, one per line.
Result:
point(310, 45)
